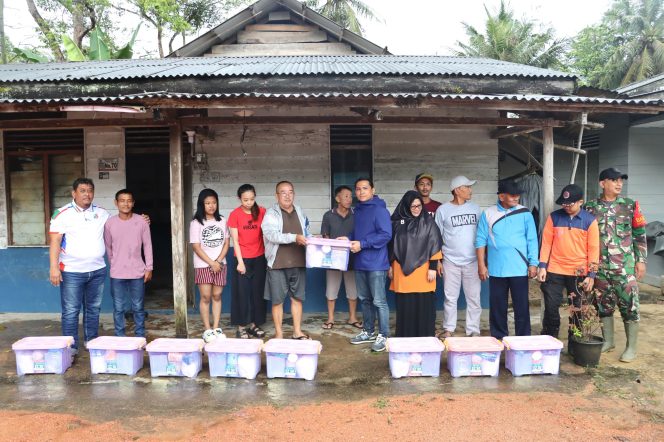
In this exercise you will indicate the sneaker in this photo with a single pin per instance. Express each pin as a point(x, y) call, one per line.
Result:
point(363, 338)
point(209, 335)
point(379, 345)
point(219, 333)
point(474, 335)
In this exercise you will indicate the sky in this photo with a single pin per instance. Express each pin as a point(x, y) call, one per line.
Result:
point(414, 27)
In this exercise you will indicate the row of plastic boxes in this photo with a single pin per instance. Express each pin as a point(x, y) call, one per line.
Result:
point(477, 356)
point(286, 358)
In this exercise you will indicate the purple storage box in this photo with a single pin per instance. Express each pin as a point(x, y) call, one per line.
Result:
point(478, 356)
point(116, 355)
point(532, 354)
point(43, 354)
point(328, 253)
point(175, 357)
point(234, 358)
point(414, 356)
point(290, 358)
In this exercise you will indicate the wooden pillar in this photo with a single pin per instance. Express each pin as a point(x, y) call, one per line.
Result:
point(547, 172)
point(177, 234)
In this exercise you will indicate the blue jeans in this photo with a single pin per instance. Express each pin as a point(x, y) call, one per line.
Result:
point(372, 295)
point(135, 288)
point(81, 290)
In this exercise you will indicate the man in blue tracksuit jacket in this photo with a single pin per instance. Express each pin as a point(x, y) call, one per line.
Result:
point(371, 234)
point(508, 231)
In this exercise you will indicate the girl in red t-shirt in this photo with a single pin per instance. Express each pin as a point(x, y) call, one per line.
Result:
point(248, 279)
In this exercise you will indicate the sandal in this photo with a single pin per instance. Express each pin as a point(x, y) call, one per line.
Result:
point(241, 333)
point(256, 332)
point(356, 324)
point(301, 338)
point(328, 325)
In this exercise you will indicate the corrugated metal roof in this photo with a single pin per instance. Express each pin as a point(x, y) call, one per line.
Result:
point(272, 66)
point(456, 97)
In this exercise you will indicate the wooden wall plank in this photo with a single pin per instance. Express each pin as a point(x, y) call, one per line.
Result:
point(254, 37)
point(282, 49)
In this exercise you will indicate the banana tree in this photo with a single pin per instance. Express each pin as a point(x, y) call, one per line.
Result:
point(99, 48)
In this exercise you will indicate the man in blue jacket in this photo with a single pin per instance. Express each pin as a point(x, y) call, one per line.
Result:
point(508, 231)
point(371, 234)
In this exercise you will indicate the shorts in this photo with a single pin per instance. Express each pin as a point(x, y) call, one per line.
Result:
point(205, 275)
point(281, 283)
point(333, 284)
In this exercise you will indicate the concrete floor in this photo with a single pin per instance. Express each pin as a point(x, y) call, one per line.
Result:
point(345, 373)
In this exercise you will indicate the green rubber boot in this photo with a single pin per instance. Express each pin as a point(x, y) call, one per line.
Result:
point(632, 333)
point(607, 332)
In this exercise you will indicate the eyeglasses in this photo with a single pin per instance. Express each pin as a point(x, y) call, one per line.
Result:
point(416, 206)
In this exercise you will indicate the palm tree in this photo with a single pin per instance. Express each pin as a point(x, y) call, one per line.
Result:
point(639, 46)
point(510, 39)
point(344, 12)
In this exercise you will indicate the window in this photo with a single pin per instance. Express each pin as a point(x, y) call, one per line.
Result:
point(350, 155)
point(41, 166)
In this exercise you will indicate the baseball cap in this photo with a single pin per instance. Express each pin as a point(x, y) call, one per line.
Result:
point(570, 194)
point(459, 181)
point(423, 175)
point(509, 186)
point(611, 174)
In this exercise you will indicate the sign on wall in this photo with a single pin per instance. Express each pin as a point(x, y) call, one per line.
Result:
point(108, 164)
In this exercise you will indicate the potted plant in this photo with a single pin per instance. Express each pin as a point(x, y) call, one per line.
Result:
point(586, 340)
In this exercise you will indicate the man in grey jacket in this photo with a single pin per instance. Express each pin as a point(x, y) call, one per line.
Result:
point(285, 229)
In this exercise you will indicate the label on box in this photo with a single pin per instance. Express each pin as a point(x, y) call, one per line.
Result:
point(231, 364)
point(415, 370)
point(39, 366)
point(289, 371)
point(112, 366)
point(171, 369)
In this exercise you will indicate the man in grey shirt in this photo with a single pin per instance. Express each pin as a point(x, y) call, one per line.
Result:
point(457, 221)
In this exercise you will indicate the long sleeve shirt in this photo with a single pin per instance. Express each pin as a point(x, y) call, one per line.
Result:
point(511, 242)
point(570, 245)
point(124, 240)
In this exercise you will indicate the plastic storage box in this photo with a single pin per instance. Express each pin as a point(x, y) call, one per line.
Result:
point(290, 358)
point(532, 354)
point(115, 354)
point(175, 357)
point(43, 354)
point(479, 356)
point(414, 356)
point(328, 253)
point(235, 358)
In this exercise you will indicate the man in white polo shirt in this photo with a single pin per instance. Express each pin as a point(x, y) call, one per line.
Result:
point(76, 255)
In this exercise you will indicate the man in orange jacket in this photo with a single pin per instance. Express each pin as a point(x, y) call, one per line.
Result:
point(569, 255)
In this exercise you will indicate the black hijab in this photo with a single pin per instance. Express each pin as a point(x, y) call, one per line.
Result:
point(414, 239)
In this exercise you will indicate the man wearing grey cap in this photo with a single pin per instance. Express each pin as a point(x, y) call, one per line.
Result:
point(457, 221)
point(622, 261)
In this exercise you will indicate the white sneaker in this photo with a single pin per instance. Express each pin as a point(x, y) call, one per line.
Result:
point(209, 335)
point(219, 333)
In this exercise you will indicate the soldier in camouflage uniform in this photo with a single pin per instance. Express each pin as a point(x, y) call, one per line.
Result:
point(623, 252)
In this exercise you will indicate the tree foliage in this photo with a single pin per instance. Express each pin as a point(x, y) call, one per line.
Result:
point(625, 47)
point(508, 38)
point(346, 13)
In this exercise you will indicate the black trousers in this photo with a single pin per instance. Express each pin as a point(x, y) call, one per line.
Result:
point(552, 289)
point(247, 302)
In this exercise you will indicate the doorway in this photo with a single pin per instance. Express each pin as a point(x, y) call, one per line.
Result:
point(148, 176)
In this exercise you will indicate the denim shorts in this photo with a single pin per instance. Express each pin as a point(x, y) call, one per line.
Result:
point(281, 283)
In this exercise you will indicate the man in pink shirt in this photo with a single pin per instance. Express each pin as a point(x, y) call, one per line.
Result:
point(124, 234)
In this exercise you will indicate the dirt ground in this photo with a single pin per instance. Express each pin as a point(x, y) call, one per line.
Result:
point(353, 397)
point(504, 416)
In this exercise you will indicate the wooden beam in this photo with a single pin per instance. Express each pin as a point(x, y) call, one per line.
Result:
point(202, 121)
point(547, 172)
point(513, 131)
point(559, 146)
point(177, 234)
point(525, 149)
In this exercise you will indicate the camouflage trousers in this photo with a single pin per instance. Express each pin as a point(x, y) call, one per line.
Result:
point(621, 290)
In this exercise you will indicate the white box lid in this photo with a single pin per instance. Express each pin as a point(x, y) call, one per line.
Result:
point(117, 343)
point(233, 345)
point(302, 347)
point(539, 342)
point(43, 342)
point(174, 345)
point(411, 345)
point(473, 344)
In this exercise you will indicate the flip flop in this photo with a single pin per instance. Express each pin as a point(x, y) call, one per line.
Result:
point(328, 325)
point(356, 324)
point(301, 338)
